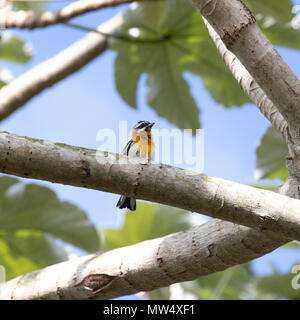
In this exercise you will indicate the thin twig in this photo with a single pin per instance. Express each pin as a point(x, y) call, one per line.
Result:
point(112, 35)
point(31, 20)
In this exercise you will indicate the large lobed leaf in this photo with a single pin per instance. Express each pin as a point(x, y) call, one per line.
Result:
point(31, 218)
point(148, 222)
point(279, 10)
point(165, 39)
point(276, 286)
point(25, 250)
point(152, 53)
point(233, 283)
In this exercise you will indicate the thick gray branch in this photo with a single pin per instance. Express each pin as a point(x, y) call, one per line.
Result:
point(238, 29)
point(183, 256)
point(218, 198)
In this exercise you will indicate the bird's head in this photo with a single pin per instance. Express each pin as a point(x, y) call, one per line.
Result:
point(142, 128)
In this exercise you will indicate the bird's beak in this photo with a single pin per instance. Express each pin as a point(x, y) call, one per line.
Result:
point(151, 125)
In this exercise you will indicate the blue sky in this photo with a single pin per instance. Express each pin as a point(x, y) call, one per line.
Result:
point(75, 109)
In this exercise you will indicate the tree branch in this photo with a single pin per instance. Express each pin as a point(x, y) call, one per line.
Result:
point(32, 20)
point(249, 85)
point(235, 235)
point(239, 31)
point(218, 198)
point(15, 94)
point(211, 247)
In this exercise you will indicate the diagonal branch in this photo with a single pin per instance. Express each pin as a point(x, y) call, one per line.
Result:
point(260, 209)
point(249, 85)
point(211, 247)
point(31, 83)
point(32, 20)
point(239, 31)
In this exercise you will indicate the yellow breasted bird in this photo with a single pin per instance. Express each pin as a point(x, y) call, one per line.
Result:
point(139, 146)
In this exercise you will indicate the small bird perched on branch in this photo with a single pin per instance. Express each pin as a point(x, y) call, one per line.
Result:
point(139, 146)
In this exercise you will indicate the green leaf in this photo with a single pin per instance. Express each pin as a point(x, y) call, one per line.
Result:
point(232, 283)
point(25, 250)
point(31, 219)
point(216, 77)
point(152, 53)
point(14, 264)
point(274, 18)
point(5, 183)
point(134, 56)
point(148, 222)
point(2, 274)
point(2, 84)
point(33, 207)
point(35, 245)
point(279, 10)
point(270, 156)
point(291, 245)
point(280, 31)
point(283, 35)
point(37, 6)
point(165, 39)
point(159, 294)
point(14, 49)
point(277, 286)
point(168, 92)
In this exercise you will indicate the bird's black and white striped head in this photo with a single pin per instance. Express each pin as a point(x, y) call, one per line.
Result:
point(143, 126)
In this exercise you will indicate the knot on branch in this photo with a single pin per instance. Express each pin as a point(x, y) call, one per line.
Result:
point(96, 282)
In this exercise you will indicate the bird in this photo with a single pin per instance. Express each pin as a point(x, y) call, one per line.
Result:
point(139, 146)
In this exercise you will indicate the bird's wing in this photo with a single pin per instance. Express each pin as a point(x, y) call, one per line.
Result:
point(134, 151)
point(127, 148)
point(131, 149)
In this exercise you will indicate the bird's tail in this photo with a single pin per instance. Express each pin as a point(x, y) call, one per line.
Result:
point(126, 202)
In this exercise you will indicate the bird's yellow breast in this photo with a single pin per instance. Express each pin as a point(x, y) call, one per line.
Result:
point(144, 142)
